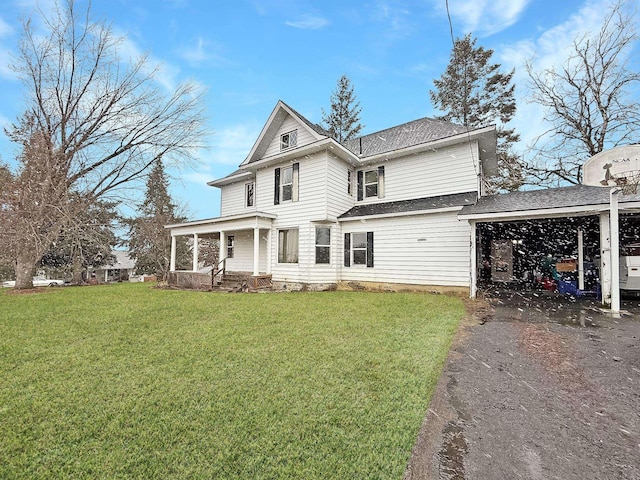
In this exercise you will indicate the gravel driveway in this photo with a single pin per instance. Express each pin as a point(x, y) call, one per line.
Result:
point(536, 387)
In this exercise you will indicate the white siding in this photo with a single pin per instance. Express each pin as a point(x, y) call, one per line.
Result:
point(338, 200)
point(304, 135)
point(242, 260)
point(431, 249)
point(232, 199)
point(428, 174)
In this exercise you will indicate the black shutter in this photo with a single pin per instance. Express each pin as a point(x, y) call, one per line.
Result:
point(369, 249)
point(360, 185)
point(295, 182)
point(276, 193)
point(380, 182)
point(347, 249)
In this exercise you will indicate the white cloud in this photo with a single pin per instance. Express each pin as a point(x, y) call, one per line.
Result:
point(308, 22)
point(5, 28)
point(484, 17)
point(231, 145)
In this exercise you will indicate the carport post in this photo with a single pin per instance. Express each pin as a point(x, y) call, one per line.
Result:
point(473, 288)
point(615, 250)
point(580, 259)
point(605, 256)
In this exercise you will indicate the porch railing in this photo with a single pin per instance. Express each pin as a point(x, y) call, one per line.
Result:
point(217, 270)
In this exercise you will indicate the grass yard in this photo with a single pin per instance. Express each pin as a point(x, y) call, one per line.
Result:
point(128, 381)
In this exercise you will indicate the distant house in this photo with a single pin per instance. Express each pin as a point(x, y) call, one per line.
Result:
point(119, 270)
point(378, 211)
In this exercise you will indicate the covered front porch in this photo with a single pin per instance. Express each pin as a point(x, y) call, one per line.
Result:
point(243, 250)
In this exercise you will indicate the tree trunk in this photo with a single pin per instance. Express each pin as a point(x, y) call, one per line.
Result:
point(78, 269)
point(25, 267)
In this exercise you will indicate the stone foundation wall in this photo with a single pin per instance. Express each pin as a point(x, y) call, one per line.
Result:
point(402, 287)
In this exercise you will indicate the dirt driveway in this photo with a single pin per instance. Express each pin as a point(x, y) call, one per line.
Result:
point(536, 387)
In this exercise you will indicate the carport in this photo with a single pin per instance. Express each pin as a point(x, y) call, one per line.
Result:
point(519, 238)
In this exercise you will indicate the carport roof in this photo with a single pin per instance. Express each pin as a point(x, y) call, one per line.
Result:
point(565, 199)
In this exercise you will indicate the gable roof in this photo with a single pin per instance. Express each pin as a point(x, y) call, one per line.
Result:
point(546, 199)
point(408, 134)
point(270, 129)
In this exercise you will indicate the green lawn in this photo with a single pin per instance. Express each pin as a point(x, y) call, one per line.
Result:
point(128, 381)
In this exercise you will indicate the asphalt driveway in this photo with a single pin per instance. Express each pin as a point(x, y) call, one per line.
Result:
point(536, 387)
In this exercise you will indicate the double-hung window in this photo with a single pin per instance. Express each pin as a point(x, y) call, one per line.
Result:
point(323, 244)
point(358, 249)
point(371, 183)
point(288, 246)
point(288, 140)
point(286, 184)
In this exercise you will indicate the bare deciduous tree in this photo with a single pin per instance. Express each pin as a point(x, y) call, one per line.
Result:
point(589, 101)
point(94, 125)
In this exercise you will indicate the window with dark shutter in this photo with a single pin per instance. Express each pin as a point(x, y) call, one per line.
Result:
point(276, 193)
point(369, 249)
point(347, 249)
point(360, 185)
point(358, 249)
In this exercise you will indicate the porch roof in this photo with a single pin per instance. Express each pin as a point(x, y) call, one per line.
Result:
point(221, 224)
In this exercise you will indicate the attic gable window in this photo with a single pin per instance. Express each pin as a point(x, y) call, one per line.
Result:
point(288, 140)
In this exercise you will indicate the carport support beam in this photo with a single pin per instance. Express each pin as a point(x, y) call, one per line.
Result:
point(580, 259)
point(605, 257)
point(473, 290)
point(615, 250)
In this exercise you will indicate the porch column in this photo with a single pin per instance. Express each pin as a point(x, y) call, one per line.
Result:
point(195, 252)
point(256, 252)
point(172, 265)
point(269, 252)
point(605, 257)
point(106, 275)
point(223, 246)
point(473, 290)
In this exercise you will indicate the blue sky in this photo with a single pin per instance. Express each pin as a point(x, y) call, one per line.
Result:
point(248, 54)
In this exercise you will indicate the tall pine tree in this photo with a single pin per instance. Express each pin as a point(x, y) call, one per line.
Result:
point(149, 242)
point(343, 121)
point(475, 93)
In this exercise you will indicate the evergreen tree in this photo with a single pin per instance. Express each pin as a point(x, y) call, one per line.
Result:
point(85, 241)
point(343, 121)
point(475, 93)
point(149, 242)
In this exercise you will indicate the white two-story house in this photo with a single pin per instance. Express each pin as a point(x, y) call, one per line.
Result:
point(380, 211)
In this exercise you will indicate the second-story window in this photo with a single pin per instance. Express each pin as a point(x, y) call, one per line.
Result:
point(286, 184)
point(249, 193)
point(349, 182)
point(371, 183)
point(288, 140)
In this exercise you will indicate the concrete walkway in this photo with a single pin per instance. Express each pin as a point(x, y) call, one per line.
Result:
point(536, 387)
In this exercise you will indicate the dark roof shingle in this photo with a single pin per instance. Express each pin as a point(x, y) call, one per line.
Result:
point(414, 205)
point(562, 197)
